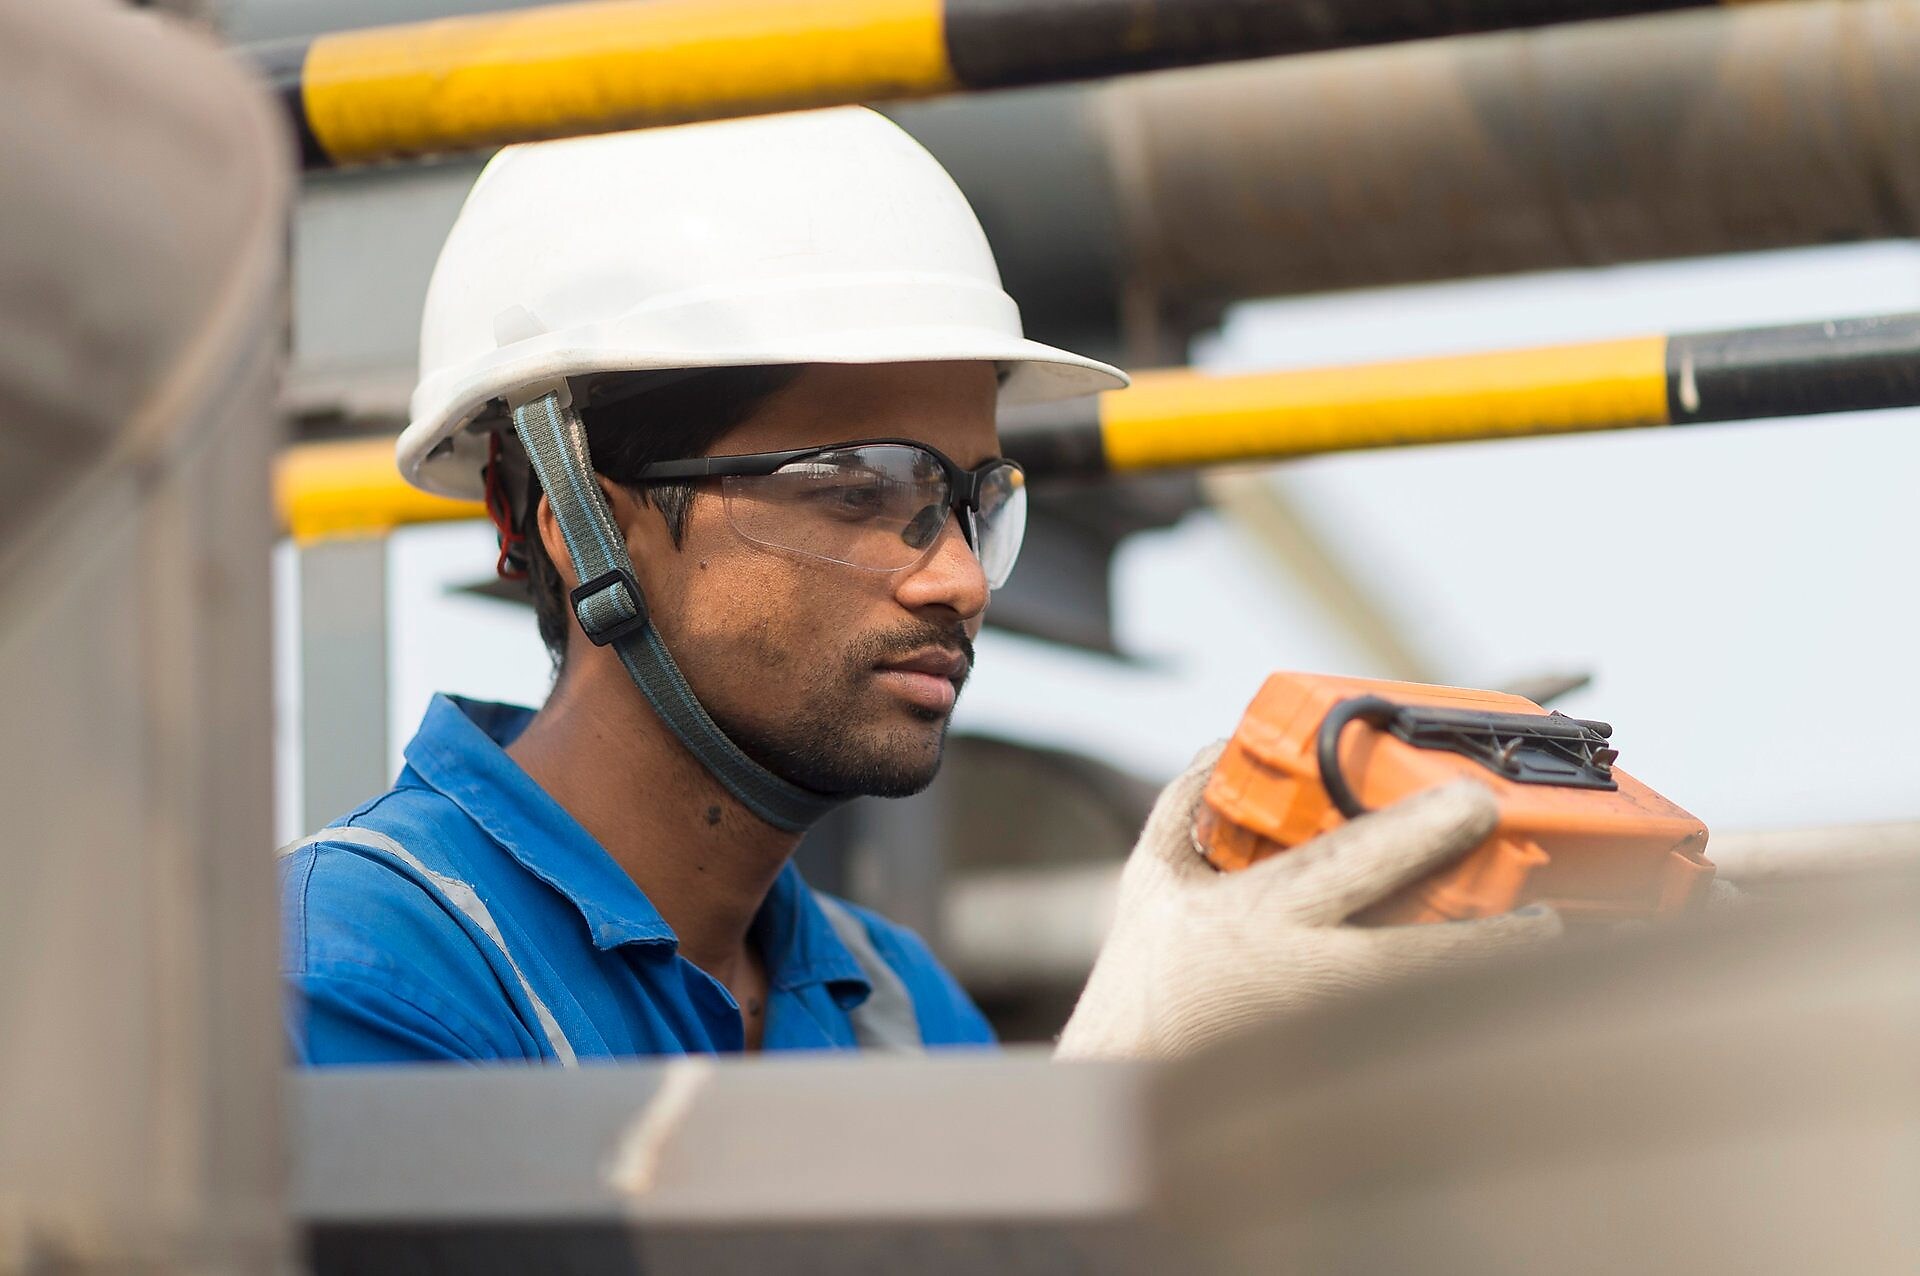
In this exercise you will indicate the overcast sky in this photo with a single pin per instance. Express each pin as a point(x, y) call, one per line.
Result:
point(1741, 593)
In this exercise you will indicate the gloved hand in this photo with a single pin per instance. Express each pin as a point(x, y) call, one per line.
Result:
point(1195, 954)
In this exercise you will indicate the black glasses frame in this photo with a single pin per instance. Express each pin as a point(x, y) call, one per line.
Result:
point(965, 484)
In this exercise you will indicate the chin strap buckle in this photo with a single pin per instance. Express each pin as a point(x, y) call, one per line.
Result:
point(609, 607)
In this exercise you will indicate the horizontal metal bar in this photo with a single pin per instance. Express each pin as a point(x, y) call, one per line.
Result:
point(1185, 418)
point(563, 70)
point(352, 487)
point(1175, 419)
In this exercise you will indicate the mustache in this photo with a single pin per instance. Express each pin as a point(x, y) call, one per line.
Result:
point(905, 640)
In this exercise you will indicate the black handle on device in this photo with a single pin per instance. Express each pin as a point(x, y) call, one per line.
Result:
point(1524, 748)
point(1372, 710)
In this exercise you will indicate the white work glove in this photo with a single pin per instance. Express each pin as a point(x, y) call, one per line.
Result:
point(1196, 954)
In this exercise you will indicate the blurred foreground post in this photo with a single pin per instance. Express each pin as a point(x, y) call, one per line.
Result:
point(142, 191)
point(1733, 1096)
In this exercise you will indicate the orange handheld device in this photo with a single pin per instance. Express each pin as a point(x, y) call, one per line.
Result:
point(1575, 832)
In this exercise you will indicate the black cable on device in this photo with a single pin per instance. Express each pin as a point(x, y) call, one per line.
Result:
point(1371, 710)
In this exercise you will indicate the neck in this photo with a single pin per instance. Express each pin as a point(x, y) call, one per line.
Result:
point(704, 860)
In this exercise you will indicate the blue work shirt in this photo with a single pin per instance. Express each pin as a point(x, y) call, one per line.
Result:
point(380, 970)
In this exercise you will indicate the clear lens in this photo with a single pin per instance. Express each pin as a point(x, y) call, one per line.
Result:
point(1001, 524)
point(878, 506)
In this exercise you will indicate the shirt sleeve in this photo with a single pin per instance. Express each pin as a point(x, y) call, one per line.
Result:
point(345, 1015)
point(375, 971)
point(947, 1014)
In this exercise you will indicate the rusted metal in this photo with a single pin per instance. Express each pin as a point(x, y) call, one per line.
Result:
point(1679, 135)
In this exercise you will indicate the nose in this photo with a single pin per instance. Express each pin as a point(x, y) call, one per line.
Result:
point(950, 576)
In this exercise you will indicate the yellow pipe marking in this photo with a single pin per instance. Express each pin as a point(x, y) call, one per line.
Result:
point(1169, 418)
point(352, 488)
point(565, 70)
point(1180, 418)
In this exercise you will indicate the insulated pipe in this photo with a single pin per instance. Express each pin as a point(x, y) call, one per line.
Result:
point(471, 82)
point(1771, 126)
point(1178, 419)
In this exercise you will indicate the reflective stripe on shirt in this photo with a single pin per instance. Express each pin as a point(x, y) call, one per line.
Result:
point(461, 897)
point(886, 1020)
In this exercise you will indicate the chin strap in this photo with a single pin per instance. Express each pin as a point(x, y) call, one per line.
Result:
point(613, 612)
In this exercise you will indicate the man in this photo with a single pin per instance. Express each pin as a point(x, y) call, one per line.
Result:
point(729, 392)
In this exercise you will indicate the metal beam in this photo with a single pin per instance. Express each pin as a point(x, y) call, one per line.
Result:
point(483, 80)
point(343, 677)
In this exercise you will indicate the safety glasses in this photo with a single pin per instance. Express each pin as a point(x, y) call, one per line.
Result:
point(876, 504)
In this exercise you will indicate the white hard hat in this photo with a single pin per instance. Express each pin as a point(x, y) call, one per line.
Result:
point(819, 237)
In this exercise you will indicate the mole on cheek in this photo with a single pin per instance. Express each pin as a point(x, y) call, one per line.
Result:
point(713, 815)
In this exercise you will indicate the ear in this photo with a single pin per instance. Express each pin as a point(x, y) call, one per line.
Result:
point(547, 527)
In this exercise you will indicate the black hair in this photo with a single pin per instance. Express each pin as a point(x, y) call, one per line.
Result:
point(682, 418)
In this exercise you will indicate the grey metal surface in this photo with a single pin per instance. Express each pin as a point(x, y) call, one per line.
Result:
point(343, 677)
point(364, 245)
point(251, 21)
point(142, 190)
point(963, 1162)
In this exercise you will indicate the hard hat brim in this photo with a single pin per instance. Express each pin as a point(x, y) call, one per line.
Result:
point(439, 453)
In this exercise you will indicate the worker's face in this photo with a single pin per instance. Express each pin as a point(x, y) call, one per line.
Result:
point(840, 678)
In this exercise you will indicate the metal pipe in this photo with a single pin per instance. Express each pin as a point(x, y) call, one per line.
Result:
point(351, 487)
point(482, 80)
point(1763, 127)
point(1179, 419)
point(1182, 418)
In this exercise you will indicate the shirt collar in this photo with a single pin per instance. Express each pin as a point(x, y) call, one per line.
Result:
point(460, 750)
point(801, 946)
